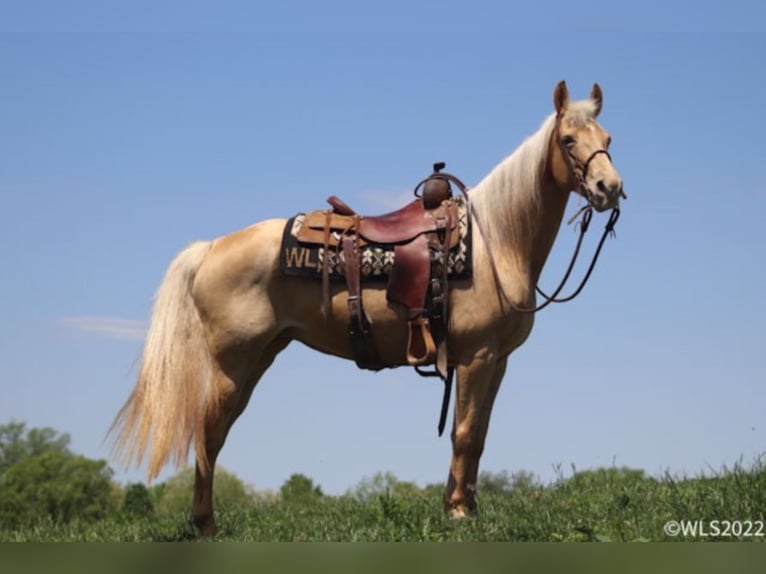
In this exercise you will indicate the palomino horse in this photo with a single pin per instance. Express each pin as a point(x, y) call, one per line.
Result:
point(224, 311)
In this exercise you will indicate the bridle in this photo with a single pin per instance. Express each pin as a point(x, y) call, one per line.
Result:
point(579, 171)
point(578, 168)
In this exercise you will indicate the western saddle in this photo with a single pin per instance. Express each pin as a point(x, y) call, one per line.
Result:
point(422, 233)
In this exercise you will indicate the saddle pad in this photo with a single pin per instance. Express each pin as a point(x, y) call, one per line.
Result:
point(376, 260)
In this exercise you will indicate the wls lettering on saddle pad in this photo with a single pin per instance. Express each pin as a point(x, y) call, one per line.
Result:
point(306, 259)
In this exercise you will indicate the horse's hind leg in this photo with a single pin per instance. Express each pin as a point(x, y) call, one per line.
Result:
point(477, 388)
point(234, 394)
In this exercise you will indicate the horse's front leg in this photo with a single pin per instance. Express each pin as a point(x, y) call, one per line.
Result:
point(477, 387)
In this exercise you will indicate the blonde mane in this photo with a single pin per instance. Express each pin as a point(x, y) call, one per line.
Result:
point(507, 200)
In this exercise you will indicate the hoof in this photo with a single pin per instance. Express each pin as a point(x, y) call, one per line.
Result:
point(460, 512)
point(205, 526)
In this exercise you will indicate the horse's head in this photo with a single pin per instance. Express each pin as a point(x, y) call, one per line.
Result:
point(579, 149)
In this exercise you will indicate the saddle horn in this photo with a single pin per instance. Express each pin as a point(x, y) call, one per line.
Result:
point(436, 187)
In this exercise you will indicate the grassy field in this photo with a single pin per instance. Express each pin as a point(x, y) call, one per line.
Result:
point(602, 505)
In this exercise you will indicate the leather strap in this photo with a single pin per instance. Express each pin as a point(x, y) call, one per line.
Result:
point(440, 300)
point(326, 266)
point(445, 399)
point(362, 345)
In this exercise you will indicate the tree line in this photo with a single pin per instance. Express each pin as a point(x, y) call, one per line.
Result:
point(42, 480)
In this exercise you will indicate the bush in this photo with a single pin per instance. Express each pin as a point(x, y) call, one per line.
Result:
point(57, 487)
point(299, 489)
point(138, 500)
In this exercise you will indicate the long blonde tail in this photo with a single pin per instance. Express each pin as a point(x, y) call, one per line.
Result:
point(170, 402)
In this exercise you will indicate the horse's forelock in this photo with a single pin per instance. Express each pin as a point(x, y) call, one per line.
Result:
point(581, 112)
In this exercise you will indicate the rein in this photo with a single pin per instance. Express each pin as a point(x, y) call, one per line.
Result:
point(587, 213)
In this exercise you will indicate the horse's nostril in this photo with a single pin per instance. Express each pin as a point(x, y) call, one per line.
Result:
point(601, 186)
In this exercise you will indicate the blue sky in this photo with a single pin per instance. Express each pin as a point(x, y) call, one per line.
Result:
point(128, 133)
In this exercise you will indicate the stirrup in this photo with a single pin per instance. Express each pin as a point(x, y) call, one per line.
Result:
point(421, 349)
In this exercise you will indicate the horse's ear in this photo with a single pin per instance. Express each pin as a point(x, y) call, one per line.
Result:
point(598, 98)
point(561, 97)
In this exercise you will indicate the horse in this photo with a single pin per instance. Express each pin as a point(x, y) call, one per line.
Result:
point(224, 311)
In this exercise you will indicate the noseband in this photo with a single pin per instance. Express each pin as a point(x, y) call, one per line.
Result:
point(586, 165)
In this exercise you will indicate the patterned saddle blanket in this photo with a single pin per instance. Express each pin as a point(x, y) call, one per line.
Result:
point(376, 260)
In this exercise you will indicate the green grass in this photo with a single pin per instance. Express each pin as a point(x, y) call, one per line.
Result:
point(602, 505)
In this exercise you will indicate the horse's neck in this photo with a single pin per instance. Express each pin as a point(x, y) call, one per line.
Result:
point(521, 254)
point(551, 213)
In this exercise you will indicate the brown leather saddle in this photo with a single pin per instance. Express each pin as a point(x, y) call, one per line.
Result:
point(425, 227)
point(422, 234)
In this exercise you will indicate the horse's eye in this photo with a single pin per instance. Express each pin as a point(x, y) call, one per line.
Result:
point(568, 141)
